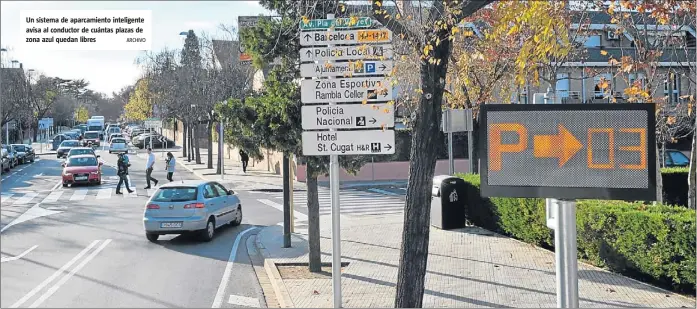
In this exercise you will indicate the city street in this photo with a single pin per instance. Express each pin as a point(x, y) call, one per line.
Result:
point(85, 246)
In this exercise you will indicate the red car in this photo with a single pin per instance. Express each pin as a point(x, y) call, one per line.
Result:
point(82, 169)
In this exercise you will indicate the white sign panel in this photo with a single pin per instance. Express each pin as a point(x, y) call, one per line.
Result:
point(345, 69)
point(324, 143)
point(342, 90)
point(155, 124)
point(360, 52)
point(347, 116)
point(370, 36)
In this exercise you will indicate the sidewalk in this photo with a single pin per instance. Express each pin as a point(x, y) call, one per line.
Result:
point(469, 267)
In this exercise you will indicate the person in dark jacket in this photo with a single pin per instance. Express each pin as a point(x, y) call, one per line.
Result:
point(122, 166)
point(245, 160)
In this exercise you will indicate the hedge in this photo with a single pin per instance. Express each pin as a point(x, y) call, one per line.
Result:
point(654, 244)
point(675, 185)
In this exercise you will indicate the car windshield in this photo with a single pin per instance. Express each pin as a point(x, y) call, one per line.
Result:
point(20, 148)
point(82, 161)
point(175, 194)
point(679, 158)
point(92, 135)
point(69, 144)
point(94, 128)
point(118, 141)
point(74, 152)
point(8, 148)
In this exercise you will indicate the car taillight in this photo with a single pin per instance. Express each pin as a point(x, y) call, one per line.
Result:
point(194, 205)
point(153, 206)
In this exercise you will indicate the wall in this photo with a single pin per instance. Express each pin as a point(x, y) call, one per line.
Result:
point(386, 171)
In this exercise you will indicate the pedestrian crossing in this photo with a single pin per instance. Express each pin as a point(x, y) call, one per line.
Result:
point(352, 202)
point(67, 195)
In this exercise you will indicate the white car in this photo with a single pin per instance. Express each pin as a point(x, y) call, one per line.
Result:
point(118, 144)
point(115, 135)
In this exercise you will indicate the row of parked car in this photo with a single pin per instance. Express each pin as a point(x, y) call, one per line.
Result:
point(16, 154)
point(140, 137)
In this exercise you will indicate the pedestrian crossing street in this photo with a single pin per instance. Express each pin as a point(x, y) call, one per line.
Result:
point(106, 191)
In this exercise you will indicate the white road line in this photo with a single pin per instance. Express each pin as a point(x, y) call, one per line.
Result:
point(79, 195)
point(53, 197)
point(299, 215)
point(62, 281)
point(17, 257)
point(26, 199)
point(57, 185)
point(104, 194)
point(54, 276)
point(381, 191)
point(244, 301)
point(218, 300)
point(5, 197)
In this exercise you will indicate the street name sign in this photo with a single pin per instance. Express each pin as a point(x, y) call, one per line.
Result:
point(351, 37)
point(324, 143)
point(342, 90)
point(338, 23)
point(346, 69)
point(569, 151)
point(154, 123)
point(356, 52)
point(347, 116)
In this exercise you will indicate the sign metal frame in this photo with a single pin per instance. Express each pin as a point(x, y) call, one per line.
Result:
point(635, 194)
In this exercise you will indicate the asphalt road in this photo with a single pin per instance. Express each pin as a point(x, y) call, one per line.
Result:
point(85, 246)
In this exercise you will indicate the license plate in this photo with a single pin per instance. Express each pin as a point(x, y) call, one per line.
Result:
point(171, 224)
point(81, 178)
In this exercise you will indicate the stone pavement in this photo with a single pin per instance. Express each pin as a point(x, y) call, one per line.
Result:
point(469, 267)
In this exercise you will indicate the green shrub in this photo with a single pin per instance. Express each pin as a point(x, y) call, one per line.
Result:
point(675, 185)
point(655, 244)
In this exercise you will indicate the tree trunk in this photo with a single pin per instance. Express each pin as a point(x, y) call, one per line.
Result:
point(475, 145)
point(190, 136)
point(315, 258)
point(35, 130)
point(221, 152)
point(197, 144)
point(692, 174)
point(184, 137)
point(659, 178)
point(417, 213)
point(209, 126)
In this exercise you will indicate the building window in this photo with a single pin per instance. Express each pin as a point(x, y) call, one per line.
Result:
point(589, 40)
point(598, 91)
point(671, 88)
point(563, 85)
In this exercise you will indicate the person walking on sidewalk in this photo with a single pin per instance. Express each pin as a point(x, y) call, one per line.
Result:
point(148, 169)
point(245, 160)
point(122, 172)
point(171, 162)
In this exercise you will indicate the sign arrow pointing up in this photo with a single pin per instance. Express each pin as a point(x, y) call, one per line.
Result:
point(562, 146)
point(309, 53)
point(307, 37)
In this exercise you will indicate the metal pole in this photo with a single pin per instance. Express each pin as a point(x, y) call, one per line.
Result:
point(336, 217)
point(470, 151)
point(222, 149)
point(286, 203)
point(7, 133)
point(564, 223)
point(291, 196)
point(446, 128)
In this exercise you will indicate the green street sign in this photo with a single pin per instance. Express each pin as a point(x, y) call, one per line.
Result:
point(338, 23)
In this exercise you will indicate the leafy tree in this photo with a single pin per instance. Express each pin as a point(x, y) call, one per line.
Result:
point(14, 94)
point(44, 93)
point(82, 114)
point(271, 118)
point(139, 106)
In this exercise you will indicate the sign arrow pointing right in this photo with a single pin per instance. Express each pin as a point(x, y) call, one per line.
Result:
point(373, 121)
point(383, 67)
point(563, 145)
point(389, 147)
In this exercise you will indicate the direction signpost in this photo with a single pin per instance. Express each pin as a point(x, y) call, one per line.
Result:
point(358, 77)
point(153, 123)
point(563, 153)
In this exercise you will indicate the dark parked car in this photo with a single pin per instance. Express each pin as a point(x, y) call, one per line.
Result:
point(57, 140)
point(12, 155)
point(5, 161)
point(24, 153)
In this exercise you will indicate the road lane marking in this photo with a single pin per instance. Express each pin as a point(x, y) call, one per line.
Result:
point(104, 194)
point(381, 191)
point(5, 197)
point(79, 195)
point(57, 185)
point(244, 301)
point(26, 199)
point(34, 212)
point(53, 197)
point(17, 257)
point(218, 300)
point(298, 215)
point(65, 278)
point(53, 276)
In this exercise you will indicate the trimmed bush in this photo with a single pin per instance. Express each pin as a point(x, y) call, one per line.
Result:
point(675, 185)
point(655, 244)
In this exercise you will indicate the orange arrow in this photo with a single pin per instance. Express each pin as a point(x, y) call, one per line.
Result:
point(563, 145)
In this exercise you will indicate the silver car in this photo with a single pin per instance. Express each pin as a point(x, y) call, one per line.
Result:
point(118, 145)
point(191, 206)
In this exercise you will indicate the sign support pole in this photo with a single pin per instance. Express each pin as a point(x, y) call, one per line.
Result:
point(451, 162)
point(563, 219)
point(470, 151)
point(221, 145)
point(336, 217)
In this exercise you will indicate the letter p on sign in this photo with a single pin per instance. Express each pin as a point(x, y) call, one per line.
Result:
point(497, 148)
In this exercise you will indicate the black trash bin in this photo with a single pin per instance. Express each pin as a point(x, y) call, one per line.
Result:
point(447, 202)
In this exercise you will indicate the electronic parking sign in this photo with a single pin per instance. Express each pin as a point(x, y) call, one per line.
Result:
point(568, 151)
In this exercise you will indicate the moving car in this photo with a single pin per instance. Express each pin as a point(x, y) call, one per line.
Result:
point(5, 161)
point(91, 136)
point(72, 134)
point(77, 151)
point(82, 169)
point(118, 145)
point(112, 135)
point(24, 153)
point(193, 206)
point(65, 147)
point(12, 155)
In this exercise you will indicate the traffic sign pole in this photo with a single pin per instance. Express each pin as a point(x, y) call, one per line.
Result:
point(565, 248)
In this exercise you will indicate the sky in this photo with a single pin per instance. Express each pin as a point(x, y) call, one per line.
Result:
point(109, 71)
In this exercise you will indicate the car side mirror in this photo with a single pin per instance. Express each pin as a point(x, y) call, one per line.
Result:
point(98, 156)
point(63, 164)
point(230, 192)
point(100, 163)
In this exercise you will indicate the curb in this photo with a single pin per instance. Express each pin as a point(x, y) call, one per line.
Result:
point(190, 170)
point(282, 295)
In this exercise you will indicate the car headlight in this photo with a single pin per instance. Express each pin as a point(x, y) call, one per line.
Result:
point(67, 174)
point(94, 173)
